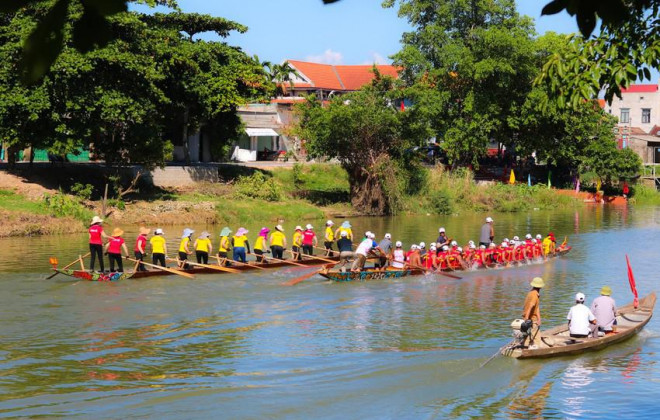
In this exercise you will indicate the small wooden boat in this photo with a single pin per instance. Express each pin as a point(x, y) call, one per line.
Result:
point(390, 273)
point(91, 276)
point(558, 342)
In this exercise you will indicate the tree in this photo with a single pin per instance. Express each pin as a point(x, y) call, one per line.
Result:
point(365, 133)
point(476, 61)
point(281, 74)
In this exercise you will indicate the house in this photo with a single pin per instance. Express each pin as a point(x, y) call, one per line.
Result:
point(638, 112)
point(266, 135)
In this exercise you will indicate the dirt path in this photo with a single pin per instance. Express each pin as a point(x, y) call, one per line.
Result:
point(21, 186)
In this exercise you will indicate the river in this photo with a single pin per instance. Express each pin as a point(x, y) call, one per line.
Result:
point(244, 346)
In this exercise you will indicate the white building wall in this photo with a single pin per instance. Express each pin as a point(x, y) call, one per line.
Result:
point(635, 102)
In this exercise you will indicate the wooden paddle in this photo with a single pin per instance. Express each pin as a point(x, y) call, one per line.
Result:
point(212, 267)
point(68, 265)
point(308, 275)
point(277, 259)
point(237, 262)
point(169, 270)
point(315, 257)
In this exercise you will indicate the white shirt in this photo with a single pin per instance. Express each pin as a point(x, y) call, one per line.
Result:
point(399, 258)
point(579, 317)
point(365, 246)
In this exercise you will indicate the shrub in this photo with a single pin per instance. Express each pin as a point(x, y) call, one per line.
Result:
point(440, 202)
point(61, 205)
point(298, 176)
point(257, 186)
point(82, 191)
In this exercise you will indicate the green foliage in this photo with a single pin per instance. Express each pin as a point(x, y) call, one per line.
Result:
point(441, 202)
point(645, 195)
point(60, 204)
point(82, 191)
point(259, 187)
point(611, 163)
point(298, 177)
point(9, 200)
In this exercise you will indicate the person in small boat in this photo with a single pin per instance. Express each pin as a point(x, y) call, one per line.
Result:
point(297, 243)
point(114, 248)
point(329, 238)
point(487, 232)
point(386, 246)
point(414, 259)
point(582, 322)
point(261, 244)
point(366, 246)
point(604, 309)
point(240, 244)
point(225, 245)
point(422, 249)
point(203, 248)
point(398, 256)
point(96, 236)
point(532, 311)
point(140, 250)
point(278, 242)
point(184, 247)
point(345, 227)
point(345, 247)
point(309, 240)
point(442, 238)
point(430, 259)
point(158, 248)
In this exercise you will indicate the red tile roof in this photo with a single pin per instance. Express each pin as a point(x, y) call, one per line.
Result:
point(640, 89)
point(327, 76)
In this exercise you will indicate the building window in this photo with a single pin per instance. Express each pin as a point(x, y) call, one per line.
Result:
point(646, 115)
point(625, 116)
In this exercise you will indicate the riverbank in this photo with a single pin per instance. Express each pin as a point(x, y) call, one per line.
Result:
point(297, 194)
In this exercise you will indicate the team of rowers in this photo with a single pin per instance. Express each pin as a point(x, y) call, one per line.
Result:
point(443, 254)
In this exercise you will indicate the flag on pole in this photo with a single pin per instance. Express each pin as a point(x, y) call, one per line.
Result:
point(529, 180)
point(512, 178)
point(633, 286)
point(577, 186)
point(598, 185)
point(549, 177)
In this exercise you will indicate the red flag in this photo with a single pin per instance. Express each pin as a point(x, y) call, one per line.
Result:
point(403, 106)
point(631, 280)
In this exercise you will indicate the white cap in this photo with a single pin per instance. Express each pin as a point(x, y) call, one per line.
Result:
point(299, 227)
point(505, 243)
point(539, 237)
point(512, 242)
point(445, 248)
point(492, 245)
point(579, 297)
point(441, 230)
point(515, 238)
point(432, 244)
point(533, 241)
point(506, 240)
point(329, 223)
point(482, 246)
point(371, 235)
point(158, 231)
point(473, 246)
point(309, 226)
point(454, 243)
point(343, 234)
point(459, 249)
point(433, 248)
point(470, 242)
point(528, 236)
point(388, 236)
point(398, 244)
point(367, 233)
point(413, 246)
point(489, 220)
point(422, 245)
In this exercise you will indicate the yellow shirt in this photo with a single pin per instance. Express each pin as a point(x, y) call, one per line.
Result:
point(277, 238)
point(157, 244)
point(224, 244)
point(548, 246)
point(182, 245)
point(297, 238)
point(349, 232)
point(329, 234)
point(239, 241)
point(260, 243)
point(203, 245)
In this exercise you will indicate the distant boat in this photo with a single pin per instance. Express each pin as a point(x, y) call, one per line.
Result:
point(558, 342)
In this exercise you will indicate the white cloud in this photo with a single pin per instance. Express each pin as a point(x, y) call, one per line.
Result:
point(376, 58)
point(328, 57)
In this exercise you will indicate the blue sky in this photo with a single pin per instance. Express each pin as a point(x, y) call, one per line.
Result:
point(347, 32)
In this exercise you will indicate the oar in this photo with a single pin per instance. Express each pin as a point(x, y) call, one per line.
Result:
point(314, 257)
point(325, 249)
point(169, 270)
point(67, 266)
point(277, 259)
point(306, 276)
point(212, 267)
point(237, 262)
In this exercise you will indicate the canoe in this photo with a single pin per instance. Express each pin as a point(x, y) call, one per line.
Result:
point(558, 342)
point(374, 274)
point(85, 275)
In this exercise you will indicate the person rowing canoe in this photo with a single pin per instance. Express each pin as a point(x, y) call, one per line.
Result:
point(114, 248)
point(240, 244)
point(96, 236)
point(203, 248)
point(225, 245)
point(329, 238)
point(278, 242)
point(184, 247)
point(261, 243)
point(140, 250)
point(158, 248)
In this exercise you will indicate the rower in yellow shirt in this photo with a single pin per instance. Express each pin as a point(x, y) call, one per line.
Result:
point(203, 248)
point(158, 248)
point(549, 245)
point(278, 242)
point(297, 243)
point(329, 238)
point(345, 227)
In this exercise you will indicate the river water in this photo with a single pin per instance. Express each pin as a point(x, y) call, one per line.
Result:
point(244, 346)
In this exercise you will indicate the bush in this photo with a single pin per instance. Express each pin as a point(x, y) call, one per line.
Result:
point(440, 202)
point(298, 177)
point(62, 205)
point(82, 191)
point(259, 187)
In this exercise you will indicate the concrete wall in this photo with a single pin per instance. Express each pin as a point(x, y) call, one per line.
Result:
point(635, 102)
point(181, 176)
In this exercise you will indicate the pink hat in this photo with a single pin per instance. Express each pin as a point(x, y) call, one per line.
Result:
point(241, 231)
point(264, 232)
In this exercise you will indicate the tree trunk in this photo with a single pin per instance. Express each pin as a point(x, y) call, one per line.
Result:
point(184, 134)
